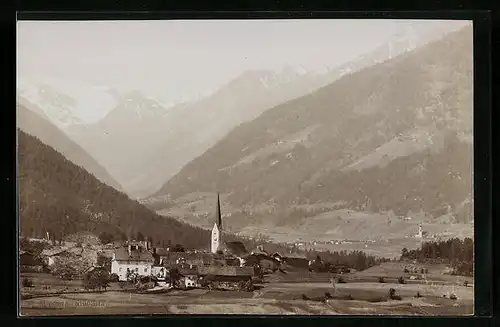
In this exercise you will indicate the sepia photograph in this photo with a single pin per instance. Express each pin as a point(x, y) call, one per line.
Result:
point(245, 167)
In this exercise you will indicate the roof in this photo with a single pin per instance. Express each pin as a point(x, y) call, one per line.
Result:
point(260, 256)
point(205, 256)
point(52, 252)
point(121, 254)
point(295, 256)
point(225, 271)
point(185, 271)
point(218, 217)
point(28, 259)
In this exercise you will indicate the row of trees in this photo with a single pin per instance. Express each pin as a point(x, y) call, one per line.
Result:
point(358, 260)
point(459, 253)
point(451, 250)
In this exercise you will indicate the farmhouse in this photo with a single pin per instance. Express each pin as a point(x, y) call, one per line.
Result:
point(131, 259)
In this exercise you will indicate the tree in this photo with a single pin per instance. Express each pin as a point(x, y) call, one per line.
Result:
point(106, 238)
point(123, 237)
point(178, 248)
point(114, 278)
point(140, 236)
point(104, 262)
point(97, 278)
point(175, 277)
point(27, 282)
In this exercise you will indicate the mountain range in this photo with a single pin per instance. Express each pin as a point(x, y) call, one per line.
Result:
point(142, 143)
point(396, 136)
point(32, 122)
point(150, 143)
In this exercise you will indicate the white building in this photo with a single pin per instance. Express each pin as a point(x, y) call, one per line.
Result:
point(132, 259)
point(190, 281)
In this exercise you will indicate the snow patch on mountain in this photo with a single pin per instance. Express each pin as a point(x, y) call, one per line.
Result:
point(67, 102)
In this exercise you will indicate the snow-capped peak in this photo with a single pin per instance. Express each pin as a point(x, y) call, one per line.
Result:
point(66, 102)
point(140, 104)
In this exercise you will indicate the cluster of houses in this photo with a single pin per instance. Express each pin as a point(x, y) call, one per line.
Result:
point(224, 262)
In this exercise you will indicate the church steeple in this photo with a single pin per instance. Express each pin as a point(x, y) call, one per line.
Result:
point(218, 214)
point(217, 229)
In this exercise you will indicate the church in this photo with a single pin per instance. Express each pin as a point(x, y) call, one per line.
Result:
point(217, 229)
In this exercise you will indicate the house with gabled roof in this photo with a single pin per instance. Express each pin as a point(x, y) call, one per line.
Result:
point(131, 259)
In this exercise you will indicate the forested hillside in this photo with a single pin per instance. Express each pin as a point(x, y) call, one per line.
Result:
point(30, 119)
point(61, 198)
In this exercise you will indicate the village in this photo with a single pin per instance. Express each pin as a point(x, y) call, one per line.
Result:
point(227, 265)
point(87, 270)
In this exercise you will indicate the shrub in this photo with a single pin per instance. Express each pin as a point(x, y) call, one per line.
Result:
point(406, 271)
point(341, 280)
point(27, 282)
point(114, 278)
point(401, 280)
point(79, 245)
point(381, 280)
point(393, 295)
point(453, 297)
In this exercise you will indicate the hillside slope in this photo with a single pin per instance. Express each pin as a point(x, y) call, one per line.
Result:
point(174, 136)
point(395, 136)
point(62, 198)
point(34, 124)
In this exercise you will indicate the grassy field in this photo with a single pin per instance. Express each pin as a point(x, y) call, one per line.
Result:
point(278, 295)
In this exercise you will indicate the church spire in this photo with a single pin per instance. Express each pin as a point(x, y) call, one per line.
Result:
point(218, 214)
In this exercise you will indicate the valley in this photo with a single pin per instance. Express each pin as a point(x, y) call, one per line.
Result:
point(342, 189)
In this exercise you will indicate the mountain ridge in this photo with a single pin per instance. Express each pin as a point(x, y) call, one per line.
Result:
point(31, 122)
point(420, 97)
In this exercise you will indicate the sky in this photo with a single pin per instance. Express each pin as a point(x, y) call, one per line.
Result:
point(172, 59)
